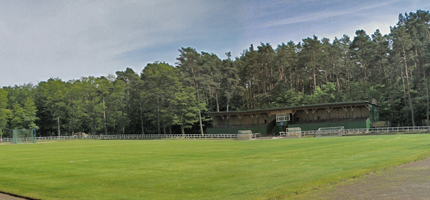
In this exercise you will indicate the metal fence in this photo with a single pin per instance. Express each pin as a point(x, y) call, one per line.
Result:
point(359, 131)
point(160, 136)
point(407, 129)
point(138, 137)
point(46, 138)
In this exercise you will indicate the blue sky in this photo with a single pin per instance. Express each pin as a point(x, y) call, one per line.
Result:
point(70, 39)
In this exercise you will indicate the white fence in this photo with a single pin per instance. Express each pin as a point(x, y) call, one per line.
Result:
point(407, 129)
point(160, 136)
point(138, 137)
point(46, 138)
point(359, 131)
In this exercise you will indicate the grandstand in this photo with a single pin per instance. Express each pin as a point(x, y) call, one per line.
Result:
point(356, 114)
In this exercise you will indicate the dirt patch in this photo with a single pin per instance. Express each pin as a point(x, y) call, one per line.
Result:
point(410, 181)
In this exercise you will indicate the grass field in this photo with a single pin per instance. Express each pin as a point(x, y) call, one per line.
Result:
point(198, 169)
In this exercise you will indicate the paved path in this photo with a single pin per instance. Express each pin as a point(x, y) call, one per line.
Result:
point(410, 181)
point(8, 197)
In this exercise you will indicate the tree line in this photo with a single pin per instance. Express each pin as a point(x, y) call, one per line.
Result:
point(162, 98)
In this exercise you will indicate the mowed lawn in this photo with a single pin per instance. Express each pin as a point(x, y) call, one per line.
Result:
point(198, 169)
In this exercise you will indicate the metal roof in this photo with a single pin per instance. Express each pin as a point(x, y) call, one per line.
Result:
point(294, 107)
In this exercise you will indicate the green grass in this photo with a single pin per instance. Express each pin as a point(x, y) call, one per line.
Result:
point(198, 169)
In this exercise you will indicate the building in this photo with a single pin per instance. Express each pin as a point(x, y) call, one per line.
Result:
point(356, 114)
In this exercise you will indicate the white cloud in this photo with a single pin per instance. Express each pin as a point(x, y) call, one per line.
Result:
point(69, 39)
point(321, 15)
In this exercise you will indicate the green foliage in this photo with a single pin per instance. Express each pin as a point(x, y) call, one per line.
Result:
point(24, 116)
point(326, 94)
point(29, 117)
point(161, 83)
point(229, 80)
point(185, 108)
point(284, 97)
point(5, 113)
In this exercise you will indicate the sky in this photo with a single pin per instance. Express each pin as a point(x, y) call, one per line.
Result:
point(73, 39)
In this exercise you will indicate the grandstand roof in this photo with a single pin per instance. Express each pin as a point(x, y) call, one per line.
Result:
point(324, 105)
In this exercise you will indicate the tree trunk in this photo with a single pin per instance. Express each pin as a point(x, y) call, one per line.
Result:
point(337, 81)
point(104, 117)
point(158, 115)
point(314, 73)
point(346, 74)
point(303, 87)
point(58, 122)
point(291, 79)
point(217, 103)
point(182, 130)
point(200, 113)
point(122, 117)
point(427, 97)
point(73, 126)
point(427, 88)
point(409, 88)
point(297, 81)
point(404, 90)
point(141, 118)
point(196, 85)
point(228, 99)
point(271, 75)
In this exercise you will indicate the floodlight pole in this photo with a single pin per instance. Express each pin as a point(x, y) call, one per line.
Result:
point(58, 122)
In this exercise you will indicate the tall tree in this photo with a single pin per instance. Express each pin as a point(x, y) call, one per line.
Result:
point(402, 44)
point(92, 104)
point(286, 61)
point(311, 52)
point(131, 101)
point(344, 44)
point(161, 81)
point(229, 79)
point(362, 52)
point(54, 93)
point(188, 63)
point(75, 106)
point(211, 65)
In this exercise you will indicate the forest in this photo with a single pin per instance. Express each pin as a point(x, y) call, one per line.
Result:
point(164, 99)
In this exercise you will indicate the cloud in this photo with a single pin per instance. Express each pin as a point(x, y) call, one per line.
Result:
point(70, 39)
point(321, 15)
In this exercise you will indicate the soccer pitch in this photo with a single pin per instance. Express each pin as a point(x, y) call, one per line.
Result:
point(198, 169)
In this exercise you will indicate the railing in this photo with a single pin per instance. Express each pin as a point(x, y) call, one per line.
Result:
point(160, 136)
point(359, 131)
point(137, 137)
point(230, 136)
point(46, 138)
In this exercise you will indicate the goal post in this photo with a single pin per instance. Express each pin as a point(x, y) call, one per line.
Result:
point(23, 136)
point(330, 131)
point(294, 132)
point(244, 135)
